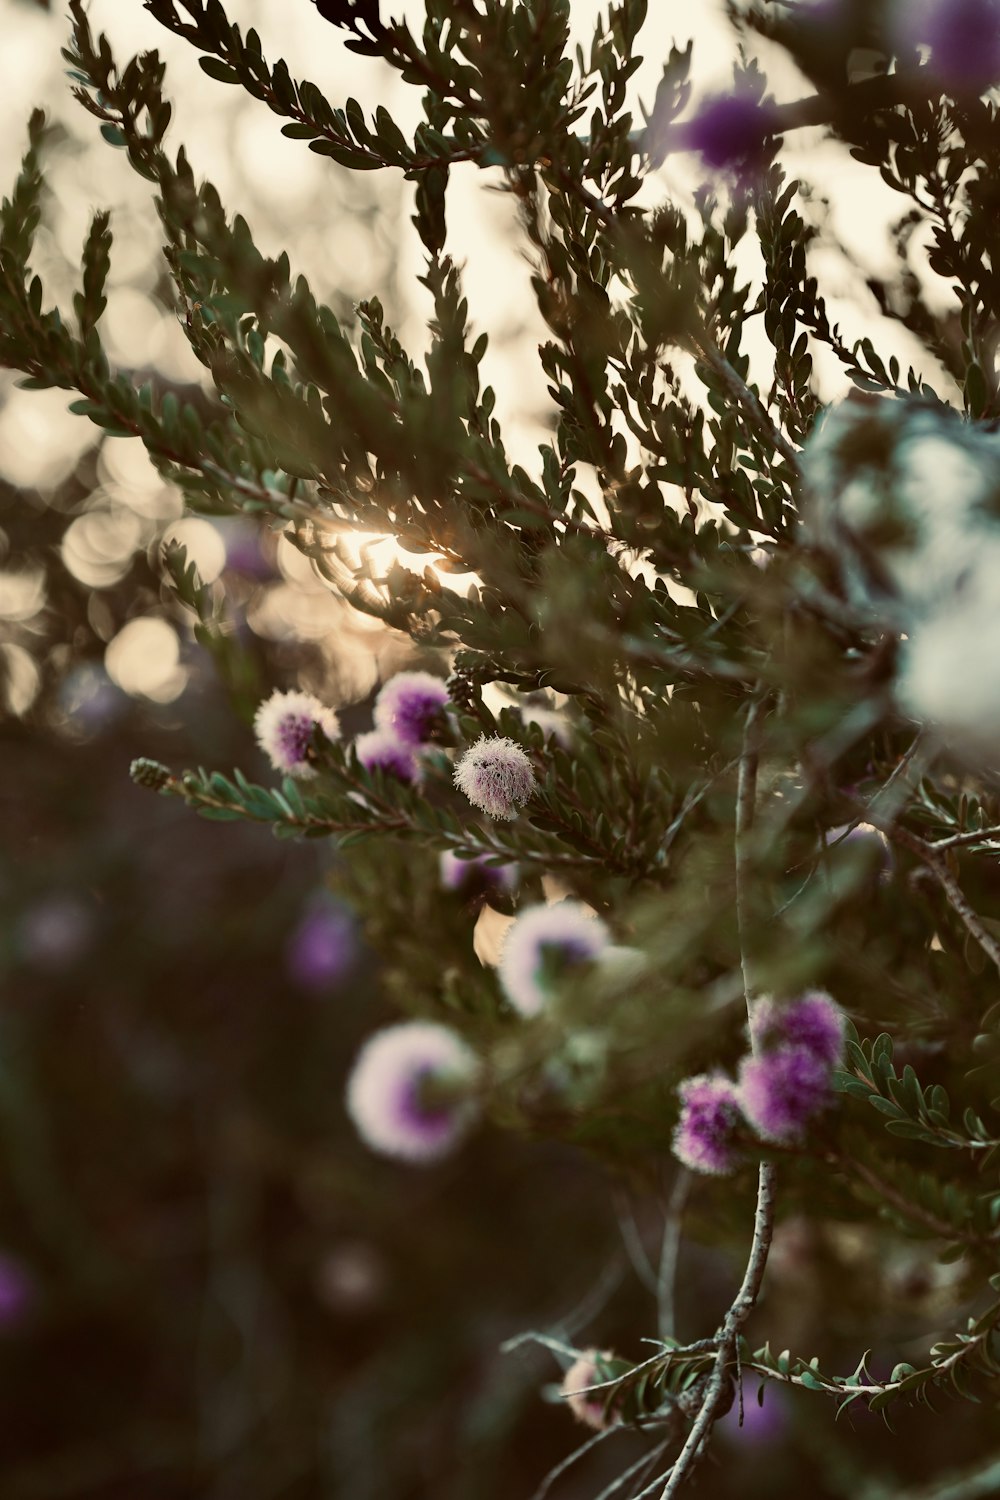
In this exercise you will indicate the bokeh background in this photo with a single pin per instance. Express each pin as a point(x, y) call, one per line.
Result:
point(207, 1287)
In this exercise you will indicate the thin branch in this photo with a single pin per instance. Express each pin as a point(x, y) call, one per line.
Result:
point(930, 856)
point(670, 1245)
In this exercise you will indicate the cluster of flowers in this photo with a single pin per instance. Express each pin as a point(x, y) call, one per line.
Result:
point(904, 496)
point(413, 1091)
point(410, 712)
point(784, 1081)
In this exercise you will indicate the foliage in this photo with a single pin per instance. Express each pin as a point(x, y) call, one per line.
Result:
point(726, 698)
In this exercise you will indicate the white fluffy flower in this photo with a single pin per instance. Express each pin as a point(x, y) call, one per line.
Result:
point(410, 1093)
point(950, 674)
point(495, 775)
point(544, 943)
point(284, 726)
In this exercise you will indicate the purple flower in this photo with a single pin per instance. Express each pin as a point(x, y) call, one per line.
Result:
point(383, 750)
point(864, 837)
point(963, 37)
point(495, 775)
point(17, 1291)
point(410, 1093)
point(762, 1424)
point(284, 725)
point(730, 131)
point(475, 875)
point(323, 947)
point(583, 1373)
point(710, 1115)
point(412, 705)
point(813, 1021)
point(544, 944)
point(780, 1091)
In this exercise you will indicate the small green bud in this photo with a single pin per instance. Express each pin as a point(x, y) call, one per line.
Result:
point(149, 773)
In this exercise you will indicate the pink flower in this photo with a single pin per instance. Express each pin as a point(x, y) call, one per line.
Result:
point(814, 1021)
point(284, 725)
point(496, 776)
point(411, 1091)
point(412, 705)
point(710, 1115)
point(476, 874)
point(583, 1373)
point(963, 37)
point(383, 750)
point(730, 130)
point(544, 944)
point(781, 1090)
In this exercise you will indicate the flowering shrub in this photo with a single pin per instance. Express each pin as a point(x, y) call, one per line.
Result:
point(761, 610)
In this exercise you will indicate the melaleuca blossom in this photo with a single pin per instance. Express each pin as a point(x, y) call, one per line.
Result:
point(475, 874)
point(731, 129)
point(411, 1093)
point(543, 945)
point(587, 1405)
point(962, 38)
point(782, 1090)
point(709, 1121)
point(383, 750)
point(284, 725)
point(786, 1080)
point(813, 1020)
point(412, 705)
point(496, 776)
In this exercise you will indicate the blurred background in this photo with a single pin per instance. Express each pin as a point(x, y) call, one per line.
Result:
point(207, 1287)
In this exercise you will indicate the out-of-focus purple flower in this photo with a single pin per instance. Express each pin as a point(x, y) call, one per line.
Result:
point(411, 1092)
point(55, 932)
point(781, 1090)
point(763, 1425)
point(814, 1021)
point(730, 131)
point(496, 776)
point(581, 1375)
point(284, 726)
point(17, 1291)
point(411, 706)
point(710, 1116)
point(475, 876)
point(963, 37)
point(244, 553)
point(323, 948)
point(383, 750)
point(544, 944)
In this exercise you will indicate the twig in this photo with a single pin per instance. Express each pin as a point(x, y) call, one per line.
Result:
point(929, 855)
point(763, 1226)
point(669, 1250)
point(732, 1327)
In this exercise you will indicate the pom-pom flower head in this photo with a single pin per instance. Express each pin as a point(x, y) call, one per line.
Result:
point(814, 1021)
point(963, 37)
point(496, 776)
point(731, 130)
point(410, 1093)
point(710, 1115)
point(781, 1090)
point(543, 945)
point(284, 725)
point(476, 875)
point(411, 706)
point(382, 750)
point(587, 1406)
